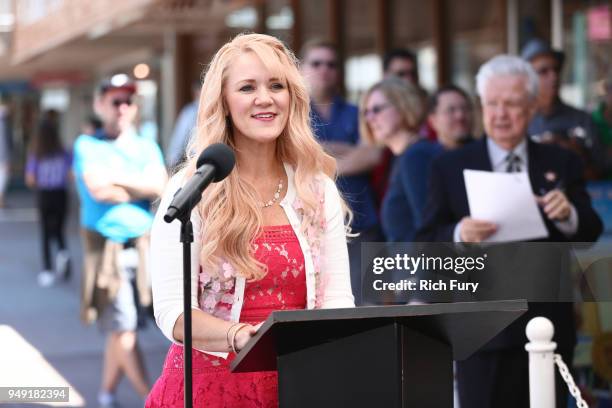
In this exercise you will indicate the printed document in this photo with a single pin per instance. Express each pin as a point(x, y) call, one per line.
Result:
point(507, 200)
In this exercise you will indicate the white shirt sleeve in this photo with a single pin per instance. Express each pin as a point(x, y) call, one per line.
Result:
point(335, 271)
point(166, 263)
point(569, 226)
point(457, 232)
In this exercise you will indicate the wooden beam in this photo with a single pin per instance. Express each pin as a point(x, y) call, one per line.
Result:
point(262, 15)
point(383, 26)
point(296, 29)
point(184, 69)
point(510, 17)
point(556, 31)
point(336, 13)
point(441, 40)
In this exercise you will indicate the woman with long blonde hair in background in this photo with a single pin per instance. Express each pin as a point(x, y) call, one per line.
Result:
point(271, 236)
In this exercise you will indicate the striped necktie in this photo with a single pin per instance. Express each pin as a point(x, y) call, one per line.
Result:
point(513, 163)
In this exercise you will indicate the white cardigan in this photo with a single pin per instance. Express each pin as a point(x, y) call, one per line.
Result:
point(167, 268)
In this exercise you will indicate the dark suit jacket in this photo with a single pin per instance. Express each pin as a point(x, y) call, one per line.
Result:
point(447, 201)
point(447, 204)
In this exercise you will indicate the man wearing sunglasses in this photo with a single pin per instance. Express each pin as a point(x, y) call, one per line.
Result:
point(554, 120)
point(401, 63)
point(335, 123)
point(118, 173)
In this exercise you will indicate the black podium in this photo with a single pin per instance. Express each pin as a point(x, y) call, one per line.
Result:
point(379, 356)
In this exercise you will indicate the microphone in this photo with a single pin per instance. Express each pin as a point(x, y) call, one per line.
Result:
point(214, 164)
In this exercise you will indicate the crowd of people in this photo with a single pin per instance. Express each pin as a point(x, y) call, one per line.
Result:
point(315, 177)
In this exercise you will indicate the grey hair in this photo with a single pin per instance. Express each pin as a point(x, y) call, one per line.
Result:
point(507, 65)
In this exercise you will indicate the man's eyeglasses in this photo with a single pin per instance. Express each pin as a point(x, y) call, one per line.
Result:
point(375, 110)
point(320, 63)
point(452, 110)
point(118, 102)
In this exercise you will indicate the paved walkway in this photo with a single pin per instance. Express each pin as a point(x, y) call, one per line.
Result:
point(42, 341)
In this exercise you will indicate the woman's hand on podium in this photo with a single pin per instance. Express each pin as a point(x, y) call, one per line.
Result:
point(244, 334)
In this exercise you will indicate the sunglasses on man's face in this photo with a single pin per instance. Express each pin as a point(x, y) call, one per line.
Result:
point(407, 73)
point(118, 102)
point(320, 63)
point(545, 70)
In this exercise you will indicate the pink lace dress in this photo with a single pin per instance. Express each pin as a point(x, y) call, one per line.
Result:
point(214, 386)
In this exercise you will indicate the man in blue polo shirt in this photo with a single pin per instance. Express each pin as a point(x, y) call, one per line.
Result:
point(117, 174)
point(335, 123)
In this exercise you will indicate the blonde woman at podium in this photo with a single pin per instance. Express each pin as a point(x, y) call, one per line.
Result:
point(271, 236)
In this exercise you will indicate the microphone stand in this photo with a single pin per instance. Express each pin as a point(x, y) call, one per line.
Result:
point(186, 239)
point(214, 164)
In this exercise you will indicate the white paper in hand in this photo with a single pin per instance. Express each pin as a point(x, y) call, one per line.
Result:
point(507, 200)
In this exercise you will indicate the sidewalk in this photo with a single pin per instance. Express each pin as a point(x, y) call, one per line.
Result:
point(63, 351)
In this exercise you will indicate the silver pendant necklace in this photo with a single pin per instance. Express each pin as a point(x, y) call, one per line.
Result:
point(276, 195)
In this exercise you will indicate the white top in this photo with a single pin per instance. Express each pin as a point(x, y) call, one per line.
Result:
point(167, 268)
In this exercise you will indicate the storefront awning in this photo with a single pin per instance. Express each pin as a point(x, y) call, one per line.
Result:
point(43, 26)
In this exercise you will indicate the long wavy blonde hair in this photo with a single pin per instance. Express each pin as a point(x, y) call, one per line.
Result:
point(231, 210)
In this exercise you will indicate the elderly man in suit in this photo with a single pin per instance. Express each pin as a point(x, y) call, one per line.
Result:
point(497, 376)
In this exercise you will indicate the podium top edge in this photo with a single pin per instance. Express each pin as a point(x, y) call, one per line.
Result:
point(279, 318)
point(398, 311)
